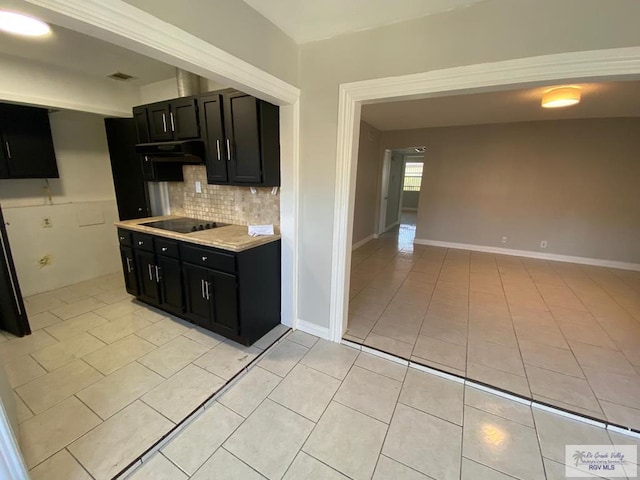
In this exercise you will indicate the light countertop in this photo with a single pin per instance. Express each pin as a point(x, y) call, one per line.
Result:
point(232, 237)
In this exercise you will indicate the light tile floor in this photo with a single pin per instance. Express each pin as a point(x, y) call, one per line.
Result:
point(332, 412)
point(103, 377)
point(561, 333)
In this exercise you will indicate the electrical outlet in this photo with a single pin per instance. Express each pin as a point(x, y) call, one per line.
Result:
point(198, 187)
point(46, 222)
point(504, 239)
point(543, 244)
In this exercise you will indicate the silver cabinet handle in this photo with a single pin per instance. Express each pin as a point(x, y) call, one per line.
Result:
point(202, 286)
point(8, 148)
point(140, 242)
point(206, 284)
point(122, 239)
point(146, 158)
point(129, 269)
point(139, 209)
point(204, 259)
point(150, 272)
point(158, 274)
point(164, 123)
point(218, 148)
point(164, 249)
point(173, 125)
point(228, 150)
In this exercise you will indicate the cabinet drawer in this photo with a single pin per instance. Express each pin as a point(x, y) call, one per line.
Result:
point(142, 241)
point(167, 248)
point(224, 262)
point(124, 237)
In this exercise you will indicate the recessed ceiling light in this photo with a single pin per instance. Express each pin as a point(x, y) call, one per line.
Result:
point(561, 97)
point(19, 24)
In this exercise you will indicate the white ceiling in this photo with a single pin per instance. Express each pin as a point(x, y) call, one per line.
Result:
point(599, 100)
point(309, 20)
point(84, 54)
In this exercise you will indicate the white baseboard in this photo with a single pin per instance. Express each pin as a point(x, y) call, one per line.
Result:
point(531, 254)
point(363, 241)
point(313, 329)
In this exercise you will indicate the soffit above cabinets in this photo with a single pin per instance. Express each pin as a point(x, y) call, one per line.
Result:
point(310, 20)
point(599, 100)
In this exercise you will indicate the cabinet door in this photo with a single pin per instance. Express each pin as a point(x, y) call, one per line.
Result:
point(28, 145)
point(142, 124)
point(159, 122)
point(131, 191)
point(222, 289)
point(129, 269)
point(149, 290)
point(197, 306)
point(170, 278)
point(183, 119)
point(214, 139)
point(147, 168)
point(243, 134)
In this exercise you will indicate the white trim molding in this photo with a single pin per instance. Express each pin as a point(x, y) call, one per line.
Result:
point(531, 254)
point(362, 242)
point(312, 329)
point(613, 63)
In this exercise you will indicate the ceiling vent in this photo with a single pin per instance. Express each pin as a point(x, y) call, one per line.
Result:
point(122, 77)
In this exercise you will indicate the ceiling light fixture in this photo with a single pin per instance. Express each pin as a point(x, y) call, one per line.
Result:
point(19, 24)
point(561, 97)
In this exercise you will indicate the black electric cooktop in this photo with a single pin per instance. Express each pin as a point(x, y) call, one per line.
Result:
point(184, 225)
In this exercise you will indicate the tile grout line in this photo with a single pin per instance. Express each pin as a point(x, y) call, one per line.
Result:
point(180, 426)
point(522, 399)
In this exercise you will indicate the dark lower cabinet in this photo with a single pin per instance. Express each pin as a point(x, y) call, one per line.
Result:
point(129, 269)
point(234, 294)
point(212, 299)
point(149, 290)
point(169, 277)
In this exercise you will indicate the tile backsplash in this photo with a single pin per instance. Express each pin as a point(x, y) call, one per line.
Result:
point(222, 203)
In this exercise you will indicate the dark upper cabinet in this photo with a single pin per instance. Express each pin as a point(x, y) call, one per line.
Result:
point(212, 123)
point(27, 146)
point(183, 118)
point(171, 120)
point(142, 124)
point(160, 171)
point(242, 139)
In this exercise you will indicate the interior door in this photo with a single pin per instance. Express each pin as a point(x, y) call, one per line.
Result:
point(395, 190)
point(128, 178)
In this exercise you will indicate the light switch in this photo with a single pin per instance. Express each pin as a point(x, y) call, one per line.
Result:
point(198, 187)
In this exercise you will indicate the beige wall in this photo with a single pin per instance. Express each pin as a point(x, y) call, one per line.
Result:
point(367, 183)
point(82, 242)
point(573, 183)
point(485, 32)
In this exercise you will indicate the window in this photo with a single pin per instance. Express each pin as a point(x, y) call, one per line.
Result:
point(412, 176)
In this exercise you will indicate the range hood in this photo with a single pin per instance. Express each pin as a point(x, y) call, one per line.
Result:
point(185, 151)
